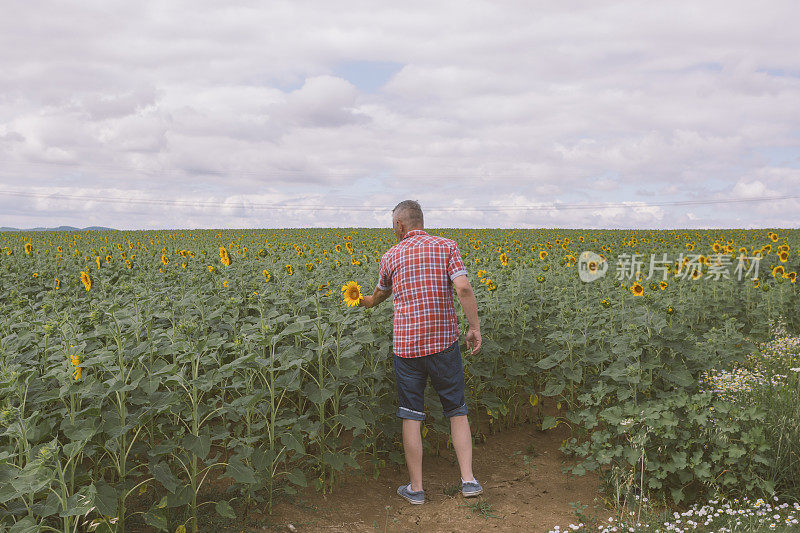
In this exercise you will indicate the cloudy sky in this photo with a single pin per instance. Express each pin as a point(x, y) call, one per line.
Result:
point(596, 114)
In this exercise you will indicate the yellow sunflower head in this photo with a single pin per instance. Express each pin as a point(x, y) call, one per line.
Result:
point(75, 360)
point(637, 289)
point(87, 281)
point(778, 271)
point(352, 293)
point(224, 257)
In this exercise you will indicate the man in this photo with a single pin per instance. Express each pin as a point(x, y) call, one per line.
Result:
point(421, 270)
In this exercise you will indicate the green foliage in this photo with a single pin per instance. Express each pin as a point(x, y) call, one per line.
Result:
point(687, 444)
point(230, 388)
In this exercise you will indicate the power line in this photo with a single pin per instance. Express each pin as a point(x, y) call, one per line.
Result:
point(300, 207)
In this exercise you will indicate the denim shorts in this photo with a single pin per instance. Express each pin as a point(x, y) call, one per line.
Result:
point(447, 377)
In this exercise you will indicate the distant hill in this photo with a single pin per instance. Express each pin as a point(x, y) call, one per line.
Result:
point(60, 228)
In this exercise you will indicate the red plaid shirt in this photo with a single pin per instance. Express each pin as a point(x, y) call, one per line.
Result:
point(419, 271)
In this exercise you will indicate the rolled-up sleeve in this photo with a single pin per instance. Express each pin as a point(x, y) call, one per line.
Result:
point(455, 265)
point(384, 276)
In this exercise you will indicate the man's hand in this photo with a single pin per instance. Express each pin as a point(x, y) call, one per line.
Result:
point(474, 340)
point(367, 301)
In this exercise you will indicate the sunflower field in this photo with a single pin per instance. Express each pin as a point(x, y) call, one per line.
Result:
point(148, 377)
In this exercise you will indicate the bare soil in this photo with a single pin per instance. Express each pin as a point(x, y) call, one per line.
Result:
point(521, 473)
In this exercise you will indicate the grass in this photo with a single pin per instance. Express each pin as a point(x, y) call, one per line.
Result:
point(482, 508)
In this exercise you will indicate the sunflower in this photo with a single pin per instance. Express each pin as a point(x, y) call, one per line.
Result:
point(211, 268)
point(783, 256)
point(225, 283)
point(504, 259)
point(663, 285)
point(128, 264)
point(183, 264)
point(75, 360)
point(696, 274)
point(164, 259)
point(773, 236)
point(792, 276)
point(481, 273)
point(605, 302)
point(267, 275)
point(542, 255)
point(58, 283)
point(338, 248)
point(778, 271)
point(35, 275)
point(540, 278)
point(223, 256)
point(637, 289)
point(289, 270)
point(352, 293)
point(309, 266)
point(28, 248)
point(87, 281)
point(491, 286)
point(97, 260)
point(670, 310)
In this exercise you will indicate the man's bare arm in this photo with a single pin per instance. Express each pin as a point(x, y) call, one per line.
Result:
point(470, 305)
point(377, 297)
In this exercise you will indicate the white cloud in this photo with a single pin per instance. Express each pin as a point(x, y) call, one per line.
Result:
point(595, 102)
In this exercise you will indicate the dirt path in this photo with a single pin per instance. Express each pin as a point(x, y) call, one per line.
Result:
point(523, 491)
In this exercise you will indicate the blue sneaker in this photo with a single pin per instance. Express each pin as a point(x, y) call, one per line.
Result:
point(471, 488)
point(415, 497)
